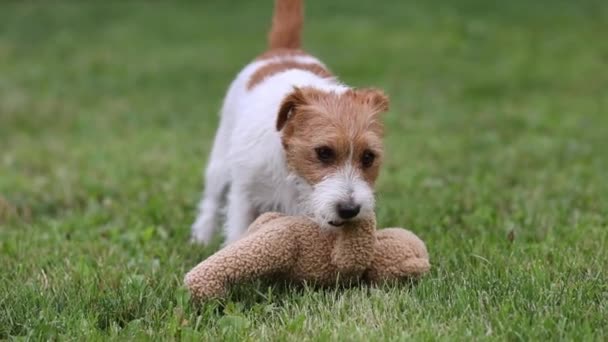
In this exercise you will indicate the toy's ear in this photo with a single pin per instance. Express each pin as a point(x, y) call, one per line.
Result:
point(288, 107)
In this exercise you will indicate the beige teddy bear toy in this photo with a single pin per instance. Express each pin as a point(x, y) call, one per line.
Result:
point(297, 249)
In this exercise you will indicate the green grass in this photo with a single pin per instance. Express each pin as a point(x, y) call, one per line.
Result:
point(498, 129)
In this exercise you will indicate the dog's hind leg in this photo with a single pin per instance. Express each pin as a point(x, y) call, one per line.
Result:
point(217, 180)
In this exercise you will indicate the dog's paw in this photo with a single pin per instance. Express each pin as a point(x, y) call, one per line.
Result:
point(199, 238)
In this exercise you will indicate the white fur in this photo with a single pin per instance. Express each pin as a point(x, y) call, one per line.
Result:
point(248, 159)
point(346, 185)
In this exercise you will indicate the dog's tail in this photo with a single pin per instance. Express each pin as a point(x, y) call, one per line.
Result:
point(286, 24)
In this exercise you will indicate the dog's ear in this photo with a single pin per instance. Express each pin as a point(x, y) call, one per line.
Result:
point(374, 98)
point(288, 107)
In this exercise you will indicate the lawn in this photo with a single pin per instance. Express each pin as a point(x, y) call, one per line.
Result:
point(497, 158)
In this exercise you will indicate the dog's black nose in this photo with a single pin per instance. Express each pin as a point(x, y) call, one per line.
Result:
point(348, 210)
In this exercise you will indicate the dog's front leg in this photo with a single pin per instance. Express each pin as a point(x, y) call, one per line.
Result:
point(240, 213)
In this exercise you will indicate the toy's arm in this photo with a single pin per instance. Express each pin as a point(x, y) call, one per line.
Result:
point(256, 255)
point(399, 254)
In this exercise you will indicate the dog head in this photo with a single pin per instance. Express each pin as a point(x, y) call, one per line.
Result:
point(333, 141)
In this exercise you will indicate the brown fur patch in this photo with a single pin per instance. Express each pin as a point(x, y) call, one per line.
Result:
point(274, 68)
point(348, 123)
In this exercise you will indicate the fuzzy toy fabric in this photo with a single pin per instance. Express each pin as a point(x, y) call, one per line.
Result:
point(296, 249)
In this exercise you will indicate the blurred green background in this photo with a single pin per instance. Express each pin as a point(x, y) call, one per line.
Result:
point(496, 146)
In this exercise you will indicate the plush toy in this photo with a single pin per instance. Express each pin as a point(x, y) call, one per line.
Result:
point(297, 249)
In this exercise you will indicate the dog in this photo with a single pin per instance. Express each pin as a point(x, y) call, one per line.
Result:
point(292, 139)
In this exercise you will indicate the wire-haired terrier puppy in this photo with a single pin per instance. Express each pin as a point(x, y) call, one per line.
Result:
point(292, 139)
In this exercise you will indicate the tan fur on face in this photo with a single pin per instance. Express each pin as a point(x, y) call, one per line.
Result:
point(274, 68)
point(348, 123)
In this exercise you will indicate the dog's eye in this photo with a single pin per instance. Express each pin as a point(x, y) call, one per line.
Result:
point(367, 159)
point(325, 154)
